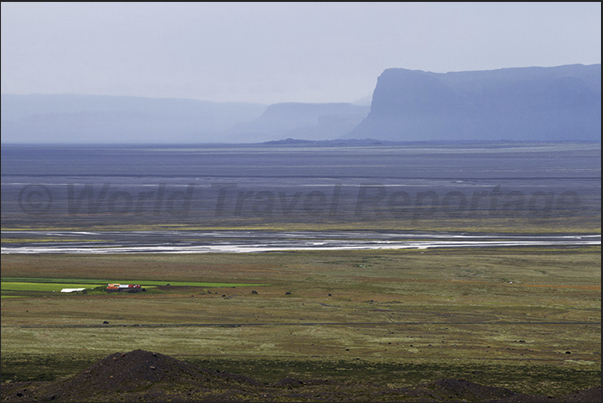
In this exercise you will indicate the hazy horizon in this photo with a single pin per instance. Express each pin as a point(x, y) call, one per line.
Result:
point(360, 101)
point(270, 53)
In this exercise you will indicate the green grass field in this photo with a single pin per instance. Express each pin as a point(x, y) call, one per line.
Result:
point(55, 285)
point(48, 287)
point(521, 316)
point(579, 224)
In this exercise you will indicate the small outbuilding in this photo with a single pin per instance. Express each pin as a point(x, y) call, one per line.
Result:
point(73, 289)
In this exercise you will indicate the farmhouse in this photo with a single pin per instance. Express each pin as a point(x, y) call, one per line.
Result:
point(123, 287)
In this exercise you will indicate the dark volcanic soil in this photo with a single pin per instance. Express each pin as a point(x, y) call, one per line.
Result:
point(152, 377)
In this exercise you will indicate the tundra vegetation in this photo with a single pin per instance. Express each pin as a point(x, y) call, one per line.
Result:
point(526, 318)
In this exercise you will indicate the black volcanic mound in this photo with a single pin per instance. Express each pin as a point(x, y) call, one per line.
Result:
point(588, 395)
point(460, 389)
point(144, 376)
point(584, 396)
point(120, 370)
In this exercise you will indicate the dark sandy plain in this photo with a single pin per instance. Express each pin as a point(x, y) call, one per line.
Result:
point(349, 319)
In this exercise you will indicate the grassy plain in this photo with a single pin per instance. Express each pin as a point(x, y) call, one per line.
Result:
point(526, 317)
point(55, 285)
point(479, 223)
point(33, 286)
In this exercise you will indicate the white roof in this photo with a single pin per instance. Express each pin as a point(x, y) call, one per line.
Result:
point(72, 289)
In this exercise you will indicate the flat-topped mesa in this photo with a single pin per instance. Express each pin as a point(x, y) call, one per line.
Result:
point(535, 104)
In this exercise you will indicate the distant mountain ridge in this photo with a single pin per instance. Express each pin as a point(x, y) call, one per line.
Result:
point(104, 119)
point(308, 121)
point(535, 103)
point(560, 103)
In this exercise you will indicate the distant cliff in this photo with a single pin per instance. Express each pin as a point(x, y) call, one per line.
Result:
point(308, 121)
point(535, 103)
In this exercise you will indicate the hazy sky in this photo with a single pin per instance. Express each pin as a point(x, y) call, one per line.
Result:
point(277, 52)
